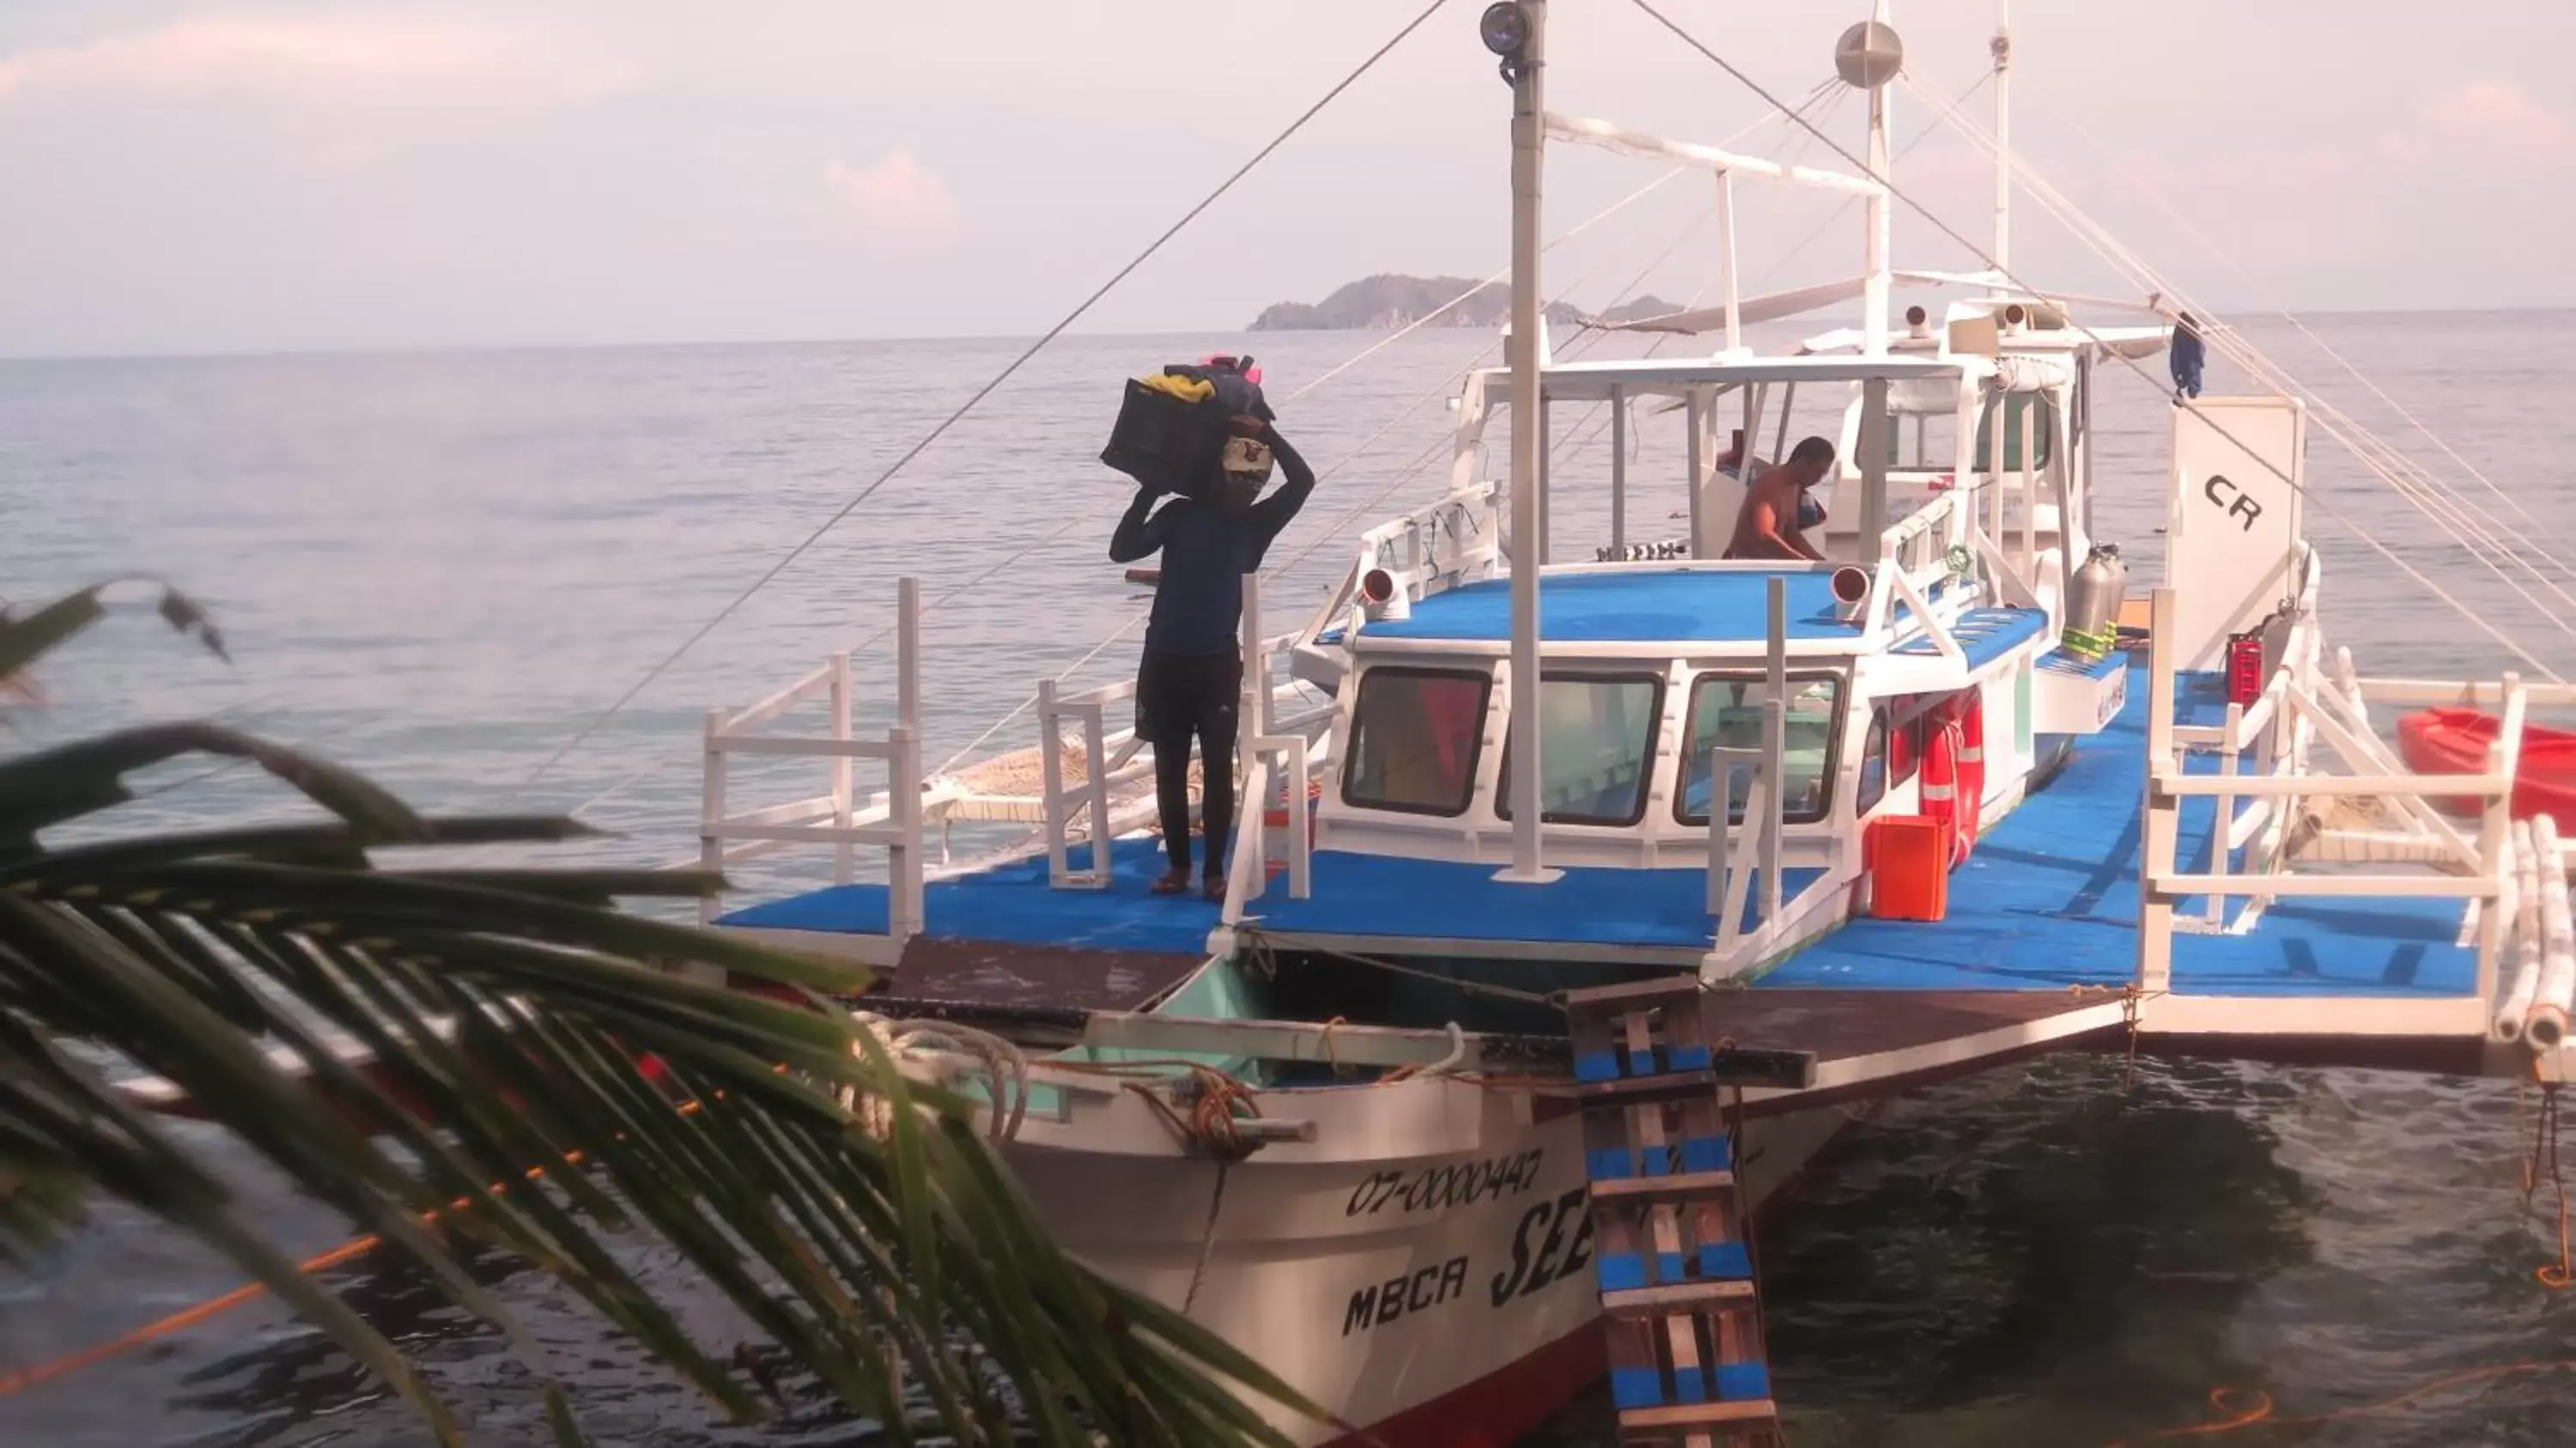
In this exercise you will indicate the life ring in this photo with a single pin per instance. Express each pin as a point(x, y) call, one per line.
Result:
point(1953, 781)
point(1968, 717)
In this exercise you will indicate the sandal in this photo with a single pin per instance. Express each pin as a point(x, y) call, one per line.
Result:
point(1172, 882)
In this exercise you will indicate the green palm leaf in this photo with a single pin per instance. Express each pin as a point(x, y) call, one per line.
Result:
point(507, 1017)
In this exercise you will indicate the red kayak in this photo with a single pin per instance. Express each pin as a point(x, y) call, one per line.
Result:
point(2455, 741)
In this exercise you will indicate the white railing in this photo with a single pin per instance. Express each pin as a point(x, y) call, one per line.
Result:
point(1259, 742)
point(1908, 539)
point(1454, 540)
point(830, 818)
point(2297, 706)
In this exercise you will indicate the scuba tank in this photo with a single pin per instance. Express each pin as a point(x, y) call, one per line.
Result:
point(2093, 599)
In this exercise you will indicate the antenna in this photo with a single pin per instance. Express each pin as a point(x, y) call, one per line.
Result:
point(1868, 57)
point(2002, 49)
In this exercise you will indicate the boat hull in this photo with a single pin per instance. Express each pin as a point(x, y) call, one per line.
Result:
point(1422, 1269)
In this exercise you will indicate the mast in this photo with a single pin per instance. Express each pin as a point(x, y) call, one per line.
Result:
point(2002, 49)
point(1878, 58)
point(1517, 30)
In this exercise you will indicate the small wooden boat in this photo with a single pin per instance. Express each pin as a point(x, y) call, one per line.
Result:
point(2455, 741)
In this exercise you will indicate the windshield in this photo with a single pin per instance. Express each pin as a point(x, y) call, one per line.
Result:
point(1595, 735)
point(1415, 735)
point(1726, 711)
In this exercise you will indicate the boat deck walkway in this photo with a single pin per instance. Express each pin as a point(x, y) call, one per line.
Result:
point(2048, 902)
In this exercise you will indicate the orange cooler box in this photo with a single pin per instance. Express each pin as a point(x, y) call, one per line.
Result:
point(1907, 858)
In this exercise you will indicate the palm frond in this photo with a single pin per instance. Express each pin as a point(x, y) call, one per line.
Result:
point(509, 1019)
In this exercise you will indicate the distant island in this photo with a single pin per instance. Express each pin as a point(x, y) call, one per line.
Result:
point(1383, 303)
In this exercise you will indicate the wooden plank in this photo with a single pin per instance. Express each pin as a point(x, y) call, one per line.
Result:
point(1680, 1184)
point(1678, 1297)
point(1691, 1415)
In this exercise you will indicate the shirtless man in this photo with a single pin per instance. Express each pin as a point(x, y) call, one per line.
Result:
point(1767, 525)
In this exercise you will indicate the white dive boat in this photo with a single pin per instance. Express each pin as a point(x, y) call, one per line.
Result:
point(1338, 1117)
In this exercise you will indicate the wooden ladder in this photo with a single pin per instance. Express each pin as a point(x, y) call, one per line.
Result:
point(1687, 1364)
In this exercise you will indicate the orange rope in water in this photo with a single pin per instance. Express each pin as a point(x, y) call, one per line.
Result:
point(2259, 1411)
point(213, 1307)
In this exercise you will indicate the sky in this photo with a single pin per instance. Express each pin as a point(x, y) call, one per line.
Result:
point(184, 178)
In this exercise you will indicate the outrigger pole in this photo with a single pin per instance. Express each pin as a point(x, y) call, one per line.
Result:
point(1516, 30)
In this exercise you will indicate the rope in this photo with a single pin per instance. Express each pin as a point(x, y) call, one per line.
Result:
point(1006, 1066)
point(980, 394)
point(2556, 1276)
point(213, 1307)
point(2252, 1408)
point(1471, 987)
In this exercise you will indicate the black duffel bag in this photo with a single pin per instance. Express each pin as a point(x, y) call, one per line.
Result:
point(1171, 428)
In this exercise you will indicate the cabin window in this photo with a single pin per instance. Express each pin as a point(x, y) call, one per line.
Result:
point(1415, 735)
point(1596, 733)
point(1922, 442)
point(1726, 711)
point(1873, 764)
point(2024, 414)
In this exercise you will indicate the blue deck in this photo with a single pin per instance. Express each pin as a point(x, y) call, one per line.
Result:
point(1380, 895)
point(1012, 904)
point(2049, 900)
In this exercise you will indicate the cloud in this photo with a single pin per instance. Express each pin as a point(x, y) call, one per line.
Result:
point(2493, 114)
point(335, 60)
point(898, 198)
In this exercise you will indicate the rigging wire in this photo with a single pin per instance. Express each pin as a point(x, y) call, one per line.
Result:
point(1418, 323)
point(1953, 233)
point(1827, 91)
point(2444, 508)
point(2378, 455)
point(980, 393)
point(2165, 204)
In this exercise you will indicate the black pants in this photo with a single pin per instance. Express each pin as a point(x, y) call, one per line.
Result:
point(1177, 696)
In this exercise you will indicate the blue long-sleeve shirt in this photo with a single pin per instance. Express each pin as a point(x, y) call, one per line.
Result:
point(2187, 361)
point(1198, 603)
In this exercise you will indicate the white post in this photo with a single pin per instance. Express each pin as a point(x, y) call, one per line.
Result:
point(1695, 460)
point(1775, 724)
point(2495, 834)
point(1872, 443)
point(1252, 721)
point(1618, 469)
point(904, 892)
point(2002, 50)
point(2218, 835)
point(1051, 775)
point(1546, 446)
point(1727, 262)
point(1095, 789)
point(711, 809)
point(1529, 140)
point(1721, 804)
point(2160, 830)
point(907, 680)
point(844, 854)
